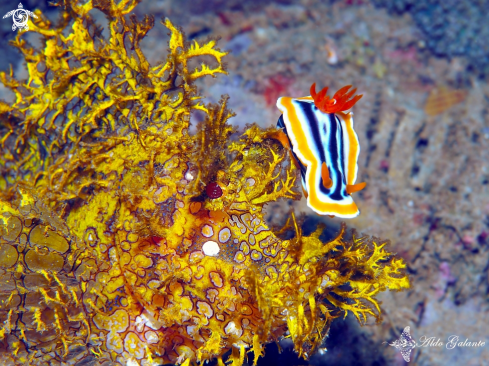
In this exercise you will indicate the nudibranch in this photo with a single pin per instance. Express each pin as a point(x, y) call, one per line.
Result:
point(325, 148)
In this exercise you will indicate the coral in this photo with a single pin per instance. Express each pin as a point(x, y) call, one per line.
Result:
point(111, 248)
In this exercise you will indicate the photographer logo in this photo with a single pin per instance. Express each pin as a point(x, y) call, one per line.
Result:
point(20, 16)
point(405, 344)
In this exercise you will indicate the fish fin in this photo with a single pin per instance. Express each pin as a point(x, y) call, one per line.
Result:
point(352, 188)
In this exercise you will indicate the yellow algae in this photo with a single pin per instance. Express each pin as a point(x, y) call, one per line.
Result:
point(104, 213)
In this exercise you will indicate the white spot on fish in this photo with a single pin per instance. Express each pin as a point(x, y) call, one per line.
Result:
point(207, 231)
point(211, 248)
point(189, 176)
point(224, 235)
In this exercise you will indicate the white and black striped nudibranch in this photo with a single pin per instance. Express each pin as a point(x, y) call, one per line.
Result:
point(325, 148)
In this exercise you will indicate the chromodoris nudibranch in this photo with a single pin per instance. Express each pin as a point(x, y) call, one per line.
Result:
point(325, 148)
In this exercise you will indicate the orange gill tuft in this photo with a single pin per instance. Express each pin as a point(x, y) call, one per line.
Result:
point(342, 100)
